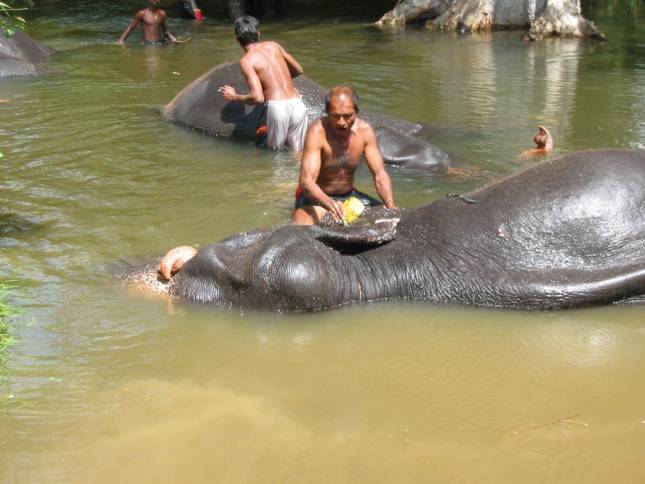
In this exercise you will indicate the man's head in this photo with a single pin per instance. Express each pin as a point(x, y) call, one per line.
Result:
point(247, 29)
point(341, 105)
point(153, 3)
point(543, 139)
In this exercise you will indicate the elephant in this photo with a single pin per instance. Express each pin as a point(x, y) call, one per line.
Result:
point(20, 55)
point(201, 107)
point(565, 233)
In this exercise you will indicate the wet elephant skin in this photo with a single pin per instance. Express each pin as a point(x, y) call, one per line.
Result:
point(201, 107)
point(568, 232)
point(20, 55)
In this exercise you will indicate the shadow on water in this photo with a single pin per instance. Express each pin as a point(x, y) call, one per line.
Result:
point(12, 223)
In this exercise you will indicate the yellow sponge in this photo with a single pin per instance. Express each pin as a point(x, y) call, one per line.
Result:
point(353, 209)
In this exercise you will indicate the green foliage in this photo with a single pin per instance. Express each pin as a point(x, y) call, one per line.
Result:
point(7, 313)
point(10, 18)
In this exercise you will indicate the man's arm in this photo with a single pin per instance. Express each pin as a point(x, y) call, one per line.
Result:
point(295, 69)
point(310, 169)
point(166, 30)
point(377, 167)
point(255, 95)
point(128, 30)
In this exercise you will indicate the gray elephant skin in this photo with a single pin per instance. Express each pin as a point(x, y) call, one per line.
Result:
point(201, 107)
point(565, 233)
point(20, 55)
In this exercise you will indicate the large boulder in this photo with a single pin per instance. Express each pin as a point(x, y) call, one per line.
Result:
point(20, 55)
point(544, 18)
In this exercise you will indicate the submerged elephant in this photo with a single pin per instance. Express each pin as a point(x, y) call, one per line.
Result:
point(201, 107)
point(566, 233)
point(20, 55)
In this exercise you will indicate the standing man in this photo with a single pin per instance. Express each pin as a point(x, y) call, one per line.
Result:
point(268, 70)
point(153, 22)
point(334, 147)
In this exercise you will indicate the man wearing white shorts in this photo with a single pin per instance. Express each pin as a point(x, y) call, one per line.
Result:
point(269, 70)
point(286, 124)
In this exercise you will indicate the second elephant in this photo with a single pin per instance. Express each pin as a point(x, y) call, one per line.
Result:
point(201, 107)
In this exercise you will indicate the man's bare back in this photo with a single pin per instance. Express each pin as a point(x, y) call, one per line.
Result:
point(269, 61)
point(268, 70)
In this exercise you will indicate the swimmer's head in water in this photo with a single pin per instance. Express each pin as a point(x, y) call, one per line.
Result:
point(543, 138)
point(247, 29)
point(341, 104)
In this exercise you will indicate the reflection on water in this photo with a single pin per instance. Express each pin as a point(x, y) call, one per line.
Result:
point(108, 385)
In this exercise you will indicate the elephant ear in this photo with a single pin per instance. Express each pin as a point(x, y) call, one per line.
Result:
point(352, 240)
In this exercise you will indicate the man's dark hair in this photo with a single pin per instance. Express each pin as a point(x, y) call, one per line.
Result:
point(334, 91)
point(247, 29)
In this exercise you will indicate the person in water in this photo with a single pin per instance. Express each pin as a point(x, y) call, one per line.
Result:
point(189, 9)
point(154, 25)
point(268, 70)
point(544, 143)
point(334, 147)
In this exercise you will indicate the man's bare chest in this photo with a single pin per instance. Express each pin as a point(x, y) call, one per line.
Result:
point(152, 18)
point(341, 155)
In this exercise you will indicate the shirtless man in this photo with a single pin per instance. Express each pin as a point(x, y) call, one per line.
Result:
point(269, 70)
point(334, 148)
point(544, 143)
point(153, 22)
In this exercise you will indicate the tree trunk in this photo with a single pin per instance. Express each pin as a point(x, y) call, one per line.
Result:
point(235, 8)
point(542, 17)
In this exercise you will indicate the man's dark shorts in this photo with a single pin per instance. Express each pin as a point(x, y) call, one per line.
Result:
point(302, 200)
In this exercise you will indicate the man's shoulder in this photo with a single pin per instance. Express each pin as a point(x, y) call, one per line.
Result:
point(317, 129)
point(363, 126)
point(271, 44)
point(317, 125)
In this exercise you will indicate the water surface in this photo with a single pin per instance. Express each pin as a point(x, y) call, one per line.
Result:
point(110, 385)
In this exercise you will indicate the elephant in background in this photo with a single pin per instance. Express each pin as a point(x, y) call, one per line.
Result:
point(201, 107)
point(20, 55)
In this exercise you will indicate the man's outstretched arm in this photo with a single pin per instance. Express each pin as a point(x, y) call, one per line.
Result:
point(295, 69)
point(166, 30)
point(255, 95)
point(375, 163)
point(128, 30)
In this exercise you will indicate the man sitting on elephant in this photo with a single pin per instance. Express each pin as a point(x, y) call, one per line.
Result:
point(269, 70)
point(333, 150)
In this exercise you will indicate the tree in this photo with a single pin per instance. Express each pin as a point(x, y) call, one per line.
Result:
point(9, 18)
point(543, 18)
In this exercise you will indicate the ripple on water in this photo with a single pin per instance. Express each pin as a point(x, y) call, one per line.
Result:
point(544, 440)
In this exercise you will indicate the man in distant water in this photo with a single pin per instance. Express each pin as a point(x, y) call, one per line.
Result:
point(153, 23)
point(189, 9)
point(269, 70)
point(543, 141)
point(334, 148)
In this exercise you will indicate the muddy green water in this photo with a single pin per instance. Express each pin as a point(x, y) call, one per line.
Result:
point(110, 385)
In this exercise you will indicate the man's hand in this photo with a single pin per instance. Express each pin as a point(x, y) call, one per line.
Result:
point(337, 209)
point(228, 92)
